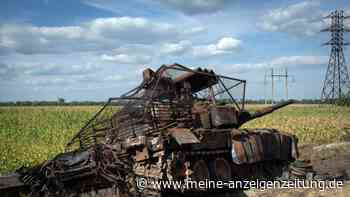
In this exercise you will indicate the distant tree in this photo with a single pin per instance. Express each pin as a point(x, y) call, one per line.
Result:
point(61, 101)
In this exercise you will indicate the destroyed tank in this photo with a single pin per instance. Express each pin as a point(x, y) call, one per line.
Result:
point(178, 124)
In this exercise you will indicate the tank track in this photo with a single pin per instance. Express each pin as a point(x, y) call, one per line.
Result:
point(262, 170)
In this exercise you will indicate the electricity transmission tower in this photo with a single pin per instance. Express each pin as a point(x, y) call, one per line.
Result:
point(336, 83)
point(274, 75)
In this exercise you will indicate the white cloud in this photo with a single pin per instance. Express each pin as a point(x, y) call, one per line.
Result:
point(41, 71)
point(299, 60)
point(131, 29)
point(116, 77)
point(98, 34)
point(195, 30)
point(58, 69)
point(176, 48)
point(48, 81)
point(228, 43)
point(62, 81)
point(127, 59)
point(197, 6)
point(67, 32)
point(142, 54)
point(225, 45)
point(207, 50)
point(188, 7)
point(100, 4)
point(304, 18)
point(77, 81)
point(285, 61)
point(28, 39)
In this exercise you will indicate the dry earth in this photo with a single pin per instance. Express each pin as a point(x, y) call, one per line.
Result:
point(330, 160)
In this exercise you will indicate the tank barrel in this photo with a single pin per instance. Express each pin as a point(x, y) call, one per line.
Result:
point(270, 109)
point(245, 116)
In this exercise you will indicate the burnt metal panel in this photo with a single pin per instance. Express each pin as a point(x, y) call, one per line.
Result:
point(222, 116)
point(142, 154)
point(215, 139)
point(239, 150)
point(183, 136)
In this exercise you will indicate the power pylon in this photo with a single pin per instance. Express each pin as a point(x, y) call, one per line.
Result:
point(273, 75)
point(337, 82)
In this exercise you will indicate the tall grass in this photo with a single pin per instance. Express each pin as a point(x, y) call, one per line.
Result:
point(31, 135)
point(310, 123)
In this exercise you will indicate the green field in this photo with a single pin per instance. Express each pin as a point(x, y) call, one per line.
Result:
point(30, 135)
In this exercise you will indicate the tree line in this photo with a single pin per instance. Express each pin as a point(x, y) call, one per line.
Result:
point(62, 102)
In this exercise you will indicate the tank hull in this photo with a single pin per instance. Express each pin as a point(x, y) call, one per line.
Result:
point(220, 155)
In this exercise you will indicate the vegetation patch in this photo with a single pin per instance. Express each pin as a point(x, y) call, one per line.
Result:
point(31, 135)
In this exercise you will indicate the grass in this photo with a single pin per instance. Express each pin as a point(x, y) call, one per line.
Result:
point(310, 123)
point(31, 135)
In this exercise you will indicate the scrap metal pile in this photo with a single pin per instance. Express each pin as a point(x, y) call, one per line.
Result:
point(180, 123)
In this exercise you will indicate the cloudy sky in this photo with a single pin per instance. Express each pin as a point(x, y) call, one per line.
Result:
point(95, 49)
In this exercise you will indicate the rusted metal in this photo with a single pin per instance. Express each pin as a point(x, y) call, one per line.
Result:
point(183, 136)
point(222, 169)
point(200, 171)
point(223, 116)
point(169, 127)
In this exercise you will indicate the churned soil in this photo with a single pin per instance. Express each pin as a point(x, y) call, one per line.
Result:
point(328, 161)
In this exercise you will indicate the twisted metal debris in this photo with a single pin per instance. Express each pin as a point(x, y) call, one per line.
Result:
point(173, 126)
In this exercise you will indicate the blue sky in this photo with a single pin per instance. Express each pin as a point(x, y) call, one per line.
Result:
point(95, 49)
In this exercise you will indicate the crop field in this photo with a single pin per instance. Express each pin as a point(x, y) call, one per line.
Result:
point(30, 135)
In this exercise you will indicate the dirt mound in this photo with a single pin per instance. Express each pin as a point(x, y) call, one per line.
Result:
point(330, 161)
